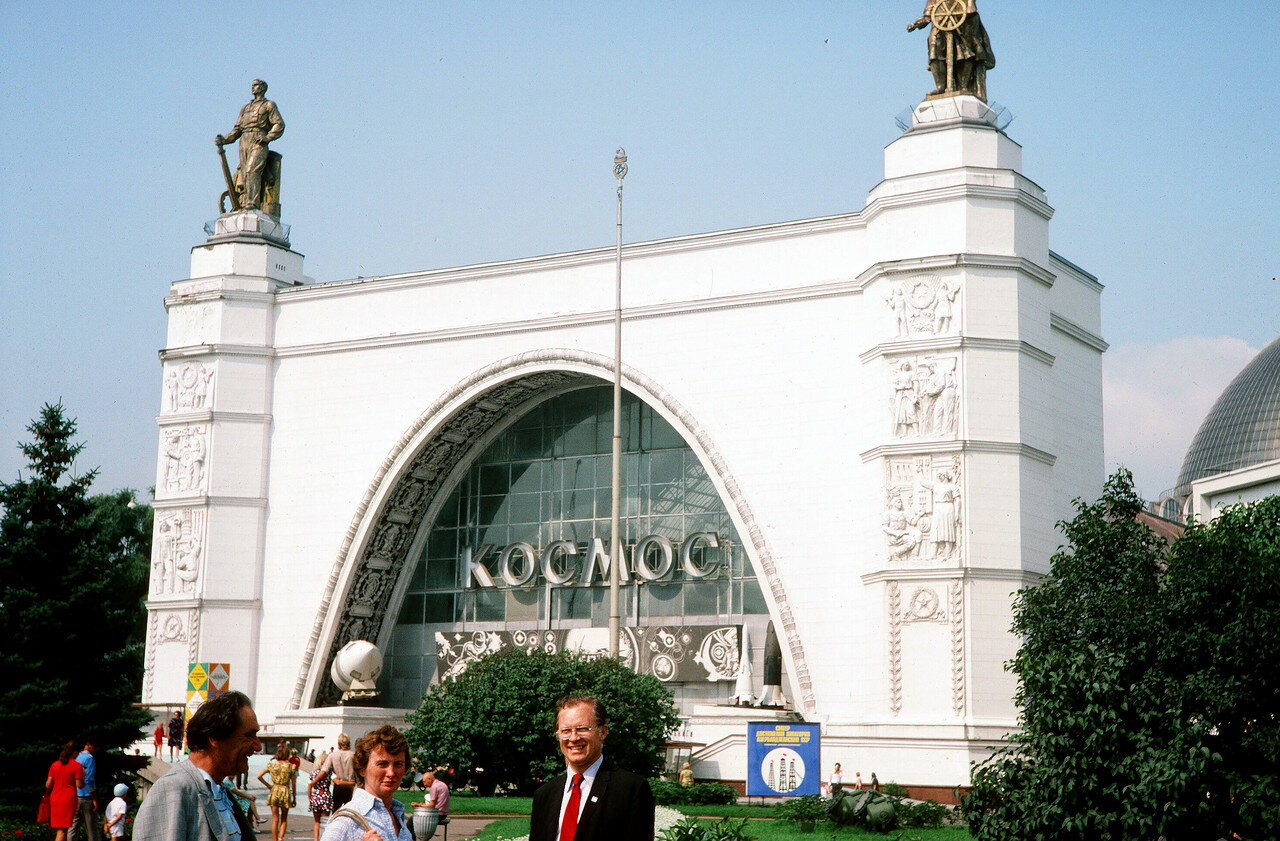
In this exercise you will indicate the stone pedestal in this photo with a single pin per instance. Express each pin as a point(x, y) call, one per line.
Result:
point(205, 594)
point(328, 722)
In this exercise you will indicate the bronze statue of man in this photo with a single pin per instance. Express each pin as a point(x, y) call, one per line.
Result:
point(258, 124)
point(970, 50)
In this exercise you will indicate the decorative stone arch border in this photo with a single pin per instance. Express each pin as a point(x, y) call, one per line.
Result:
point(421, 466)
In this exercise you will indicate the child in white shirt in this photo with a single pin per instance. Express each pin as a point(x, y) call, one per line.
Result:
point(113, 820)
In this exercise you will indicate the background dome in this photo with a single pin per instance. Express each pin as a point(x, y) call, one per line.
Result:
point(1243, 427)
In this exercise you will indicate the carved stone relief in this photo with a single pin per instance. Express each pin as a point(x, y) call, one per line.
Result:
point(179, 551)
point(188, 387)
point(926, 397)
point(184, 450)
point(924, 306)
point(924, 606)
point(172, 629)
point(922, 509)
point(895, 647)
point(956, 597)
point(164, 627)
point(149, 667)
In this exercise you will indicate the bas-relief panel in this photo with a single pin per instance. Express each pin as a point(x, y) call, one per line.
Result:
point(925, 604)
point(922, 518)
point(926, 397)
point(924, 306)
point(683, 654)
point(183, 451)
point(179, 551)
point(166, 628)
point(188, 387)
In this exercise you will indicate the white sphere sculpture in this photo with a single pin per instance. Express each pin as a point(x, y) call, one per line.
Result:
point(357, 665)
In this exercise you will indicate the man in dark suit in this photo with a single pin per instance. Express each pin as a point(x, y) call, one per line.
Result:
point(592, 800)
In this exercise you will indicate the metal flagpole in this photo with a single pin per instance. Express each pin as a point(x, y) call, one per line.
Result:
point(618, 555)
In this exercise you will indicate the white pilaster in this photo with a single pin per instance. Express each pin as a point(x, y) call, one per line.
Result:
point(965, 366)
point(215, 422)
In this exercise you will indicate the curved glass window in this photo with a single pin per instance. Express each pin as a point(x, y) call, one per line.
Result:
point(515, 555)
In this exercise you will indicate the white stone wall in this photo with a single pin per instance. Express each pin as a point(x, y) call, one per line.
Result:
point(777, 350)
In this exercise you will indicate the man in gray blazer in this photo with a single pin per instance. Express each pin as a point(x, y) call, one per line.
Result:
point(189, 803)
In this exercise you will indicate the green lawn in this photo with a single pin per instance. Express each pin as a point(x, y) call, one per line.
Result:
point(470, 804)
point(765, 830)
point(788, 831)
point(769, 831)
point(506, 828)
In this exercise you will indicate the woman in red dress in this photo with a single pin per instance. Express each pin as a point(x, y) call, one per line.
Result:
point(65, 775)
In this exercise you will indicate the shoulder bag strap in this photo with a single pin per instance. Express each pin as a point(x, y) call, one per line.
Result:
point(354, 815)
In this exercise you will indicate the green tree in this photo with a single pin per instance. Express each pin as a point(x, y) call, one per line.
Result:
point(1219, 667)
point(1146, 688)
point(73, 572)
point(494, 724)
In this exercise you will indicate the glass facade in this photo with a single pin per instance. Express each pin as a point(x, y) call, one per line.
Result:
point(547, 479)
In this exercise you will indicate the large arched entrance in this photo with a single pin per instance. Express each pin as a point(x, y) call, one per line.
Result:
point(488, 527)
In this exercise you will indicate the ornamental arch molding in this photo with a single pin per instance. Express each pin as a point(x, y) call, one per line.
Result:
point(424, 464)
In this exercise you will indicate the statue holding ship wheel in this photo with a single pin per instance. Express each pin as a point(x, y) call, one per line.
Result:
point(960, 52)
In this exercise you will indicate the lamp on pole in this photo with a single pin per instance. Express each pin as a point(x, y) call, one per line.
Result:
point(615, 538)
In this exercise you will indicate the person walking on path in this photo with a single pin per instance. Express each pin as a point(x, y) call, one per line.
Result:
point(296, 762)
point(340, 765)
point(175, 736)
point(319, 799)
point(381, 758)
point(65, 777)
point(186, 804)
point(86, 816)
point(158, 740)
point(282, 775)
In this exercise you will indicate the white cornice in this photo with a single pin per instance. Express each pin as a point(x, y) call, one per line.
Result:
point(937, 262)
point(1074, 271)
point(209, 295)
point(573, 259)
point(1075, 331)
point(827, 289)
point(902, 347)
point(205, 501)
point(189, 604)
point(215, 349)
point(672, 245)
point(1026, 577)
point(951, 192)
point(911, 448)
point(207, 416)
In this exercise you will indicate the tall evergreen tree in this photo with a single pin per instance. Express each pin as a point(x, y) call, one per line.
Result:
point(73, 572)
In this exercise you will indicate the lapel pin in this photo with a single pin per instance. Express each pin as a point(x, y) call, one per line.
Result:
point(593, 798)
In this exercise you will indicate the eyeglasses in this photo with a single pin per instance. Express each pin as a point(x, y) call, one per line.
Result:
point(570, 732)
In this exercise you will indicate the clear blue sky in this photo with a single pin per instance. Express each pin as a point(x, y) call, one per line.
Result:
point(432, 134)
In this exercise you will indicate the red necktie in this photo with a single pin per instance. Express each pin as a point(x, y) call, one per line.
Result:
point(570, 823)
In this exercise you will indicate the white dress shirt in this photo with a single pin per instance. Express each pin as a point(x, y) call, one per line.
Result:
point(588, 777)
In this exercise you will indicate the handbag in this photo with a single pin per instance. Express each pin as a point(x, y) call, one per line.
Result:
point(42, 814)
